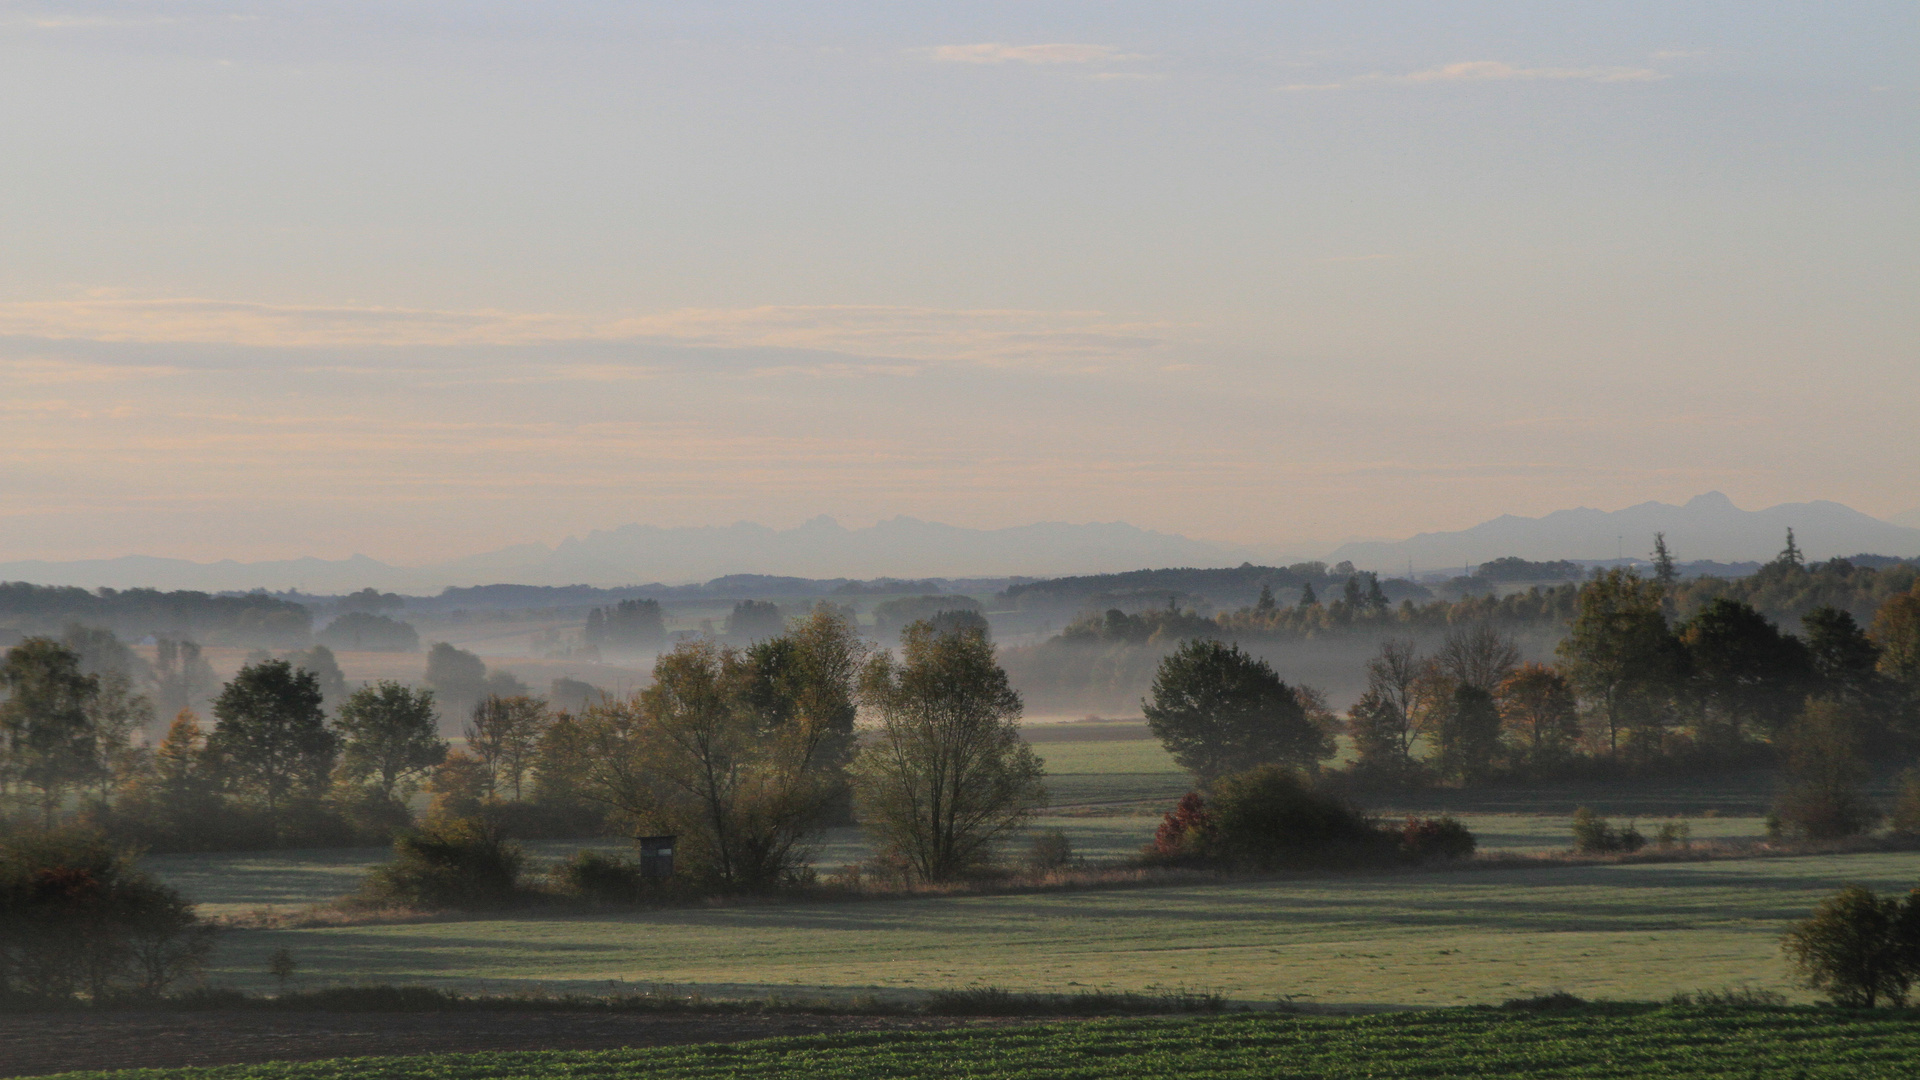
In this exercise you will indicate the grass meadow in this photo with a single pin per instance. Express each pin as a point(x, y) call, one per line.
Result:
point(1468, 936)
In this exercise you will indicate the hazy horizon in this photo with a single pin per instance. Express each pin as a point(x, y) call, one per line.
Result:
point(1708, 528)
point(425, 279)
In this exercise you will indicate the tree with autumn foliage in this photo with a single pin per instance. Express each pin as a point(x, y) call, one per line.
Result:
point(1542, 718)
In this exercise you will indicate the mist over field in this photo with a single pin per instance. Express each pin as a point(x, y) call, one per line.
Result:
point(1102, 538)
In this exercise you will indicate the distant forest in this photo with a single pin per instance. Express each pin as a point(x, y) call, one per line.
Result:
point(1104, 659)
point(250, 619)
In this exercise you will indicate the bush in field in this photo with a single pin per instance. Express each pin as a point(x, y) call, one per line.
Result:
point(76, 917)
point(1905, 819)
point(449, 863)
point(595, 875)
point(1050, 850)
point(1859, 947)
point(1825, 772)
point(1435, 838)
point(1595, 835)
point(1184, 831)
point(1269, 818)
point(1673, 834)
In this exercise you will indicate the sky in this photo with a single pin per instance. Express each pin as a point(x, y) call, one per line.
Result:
point(422, 279)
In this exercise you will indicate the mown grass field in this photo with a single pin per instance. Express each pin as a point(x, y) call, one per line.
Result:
point(1107, 795)
point(1657, 1044)
point(1459, 937)
point(237, 883)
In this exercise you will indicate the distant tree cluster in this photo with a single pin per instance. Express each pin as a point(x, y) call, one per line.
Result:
point(1156, 586)
point(291, 756)
point(365, 631)
point(1634, 687)
point(628, 626)
point(1514, 568)
point(1783, 591)
point(251, 619)
point(890, 617)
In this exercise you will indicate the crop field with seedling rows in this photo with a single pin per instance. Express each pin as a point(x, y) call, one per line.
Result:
point(1639, 1043)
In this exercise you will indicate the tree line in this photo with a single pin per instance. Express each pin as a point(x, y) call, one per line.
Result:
point(236, 620)
point(1785, 590)
point(1632, 687)
point(746, 754)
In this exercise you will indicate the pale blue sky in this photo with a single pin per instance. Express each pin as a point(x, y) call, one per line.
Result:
point(420, 279)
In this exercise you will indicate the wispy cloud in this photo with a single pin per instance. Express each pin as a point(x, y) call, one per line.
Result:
point(994, 52)
point(1499, 71)
point(48, 371)
point(87, 22)
point(931, 335)
point(1484, 71)
point(1379, 257)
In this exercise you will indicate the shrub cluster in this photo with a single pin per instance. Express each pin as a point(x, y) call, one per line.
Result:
point(1270, 818)
point(1595, 835)
point(449, 863)
point(595, 875)
point(1859, 947)
point(1435, 838)
point(76, 918)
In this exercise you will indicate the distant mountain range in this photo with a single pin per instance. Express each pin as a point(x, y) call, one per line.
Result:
point(639, 554)
point(1707, 527)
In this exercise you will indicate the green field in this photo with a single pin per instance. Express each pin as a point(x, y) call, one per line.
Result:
point(235, 883)
point(1662, 1044)
point(1429, 938)
point(1107, 796)
point(1458, 937)
point(1124, 756)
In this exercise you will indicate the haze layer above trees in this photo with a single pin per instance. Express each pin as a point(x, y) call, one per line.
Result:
point(1706, 527)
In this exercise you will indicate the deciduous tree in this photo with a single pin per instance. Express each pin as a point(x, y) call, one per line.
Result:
point(392, 738)
point(503, 734)
point(741, 756)
point(46, 722)
point(1218, 710)
point(1478, 656)
point(1896, 630)
point(1468, 746)
point(271, 734)
point(1538, 709)
point(1382, 722)
point(1825, 772)
point(1750, 675)
point(947, 775)
point(1621, 655)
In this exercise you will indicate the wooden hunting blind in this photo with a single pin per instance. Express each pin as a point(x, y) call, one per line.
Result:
point(656, 857)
